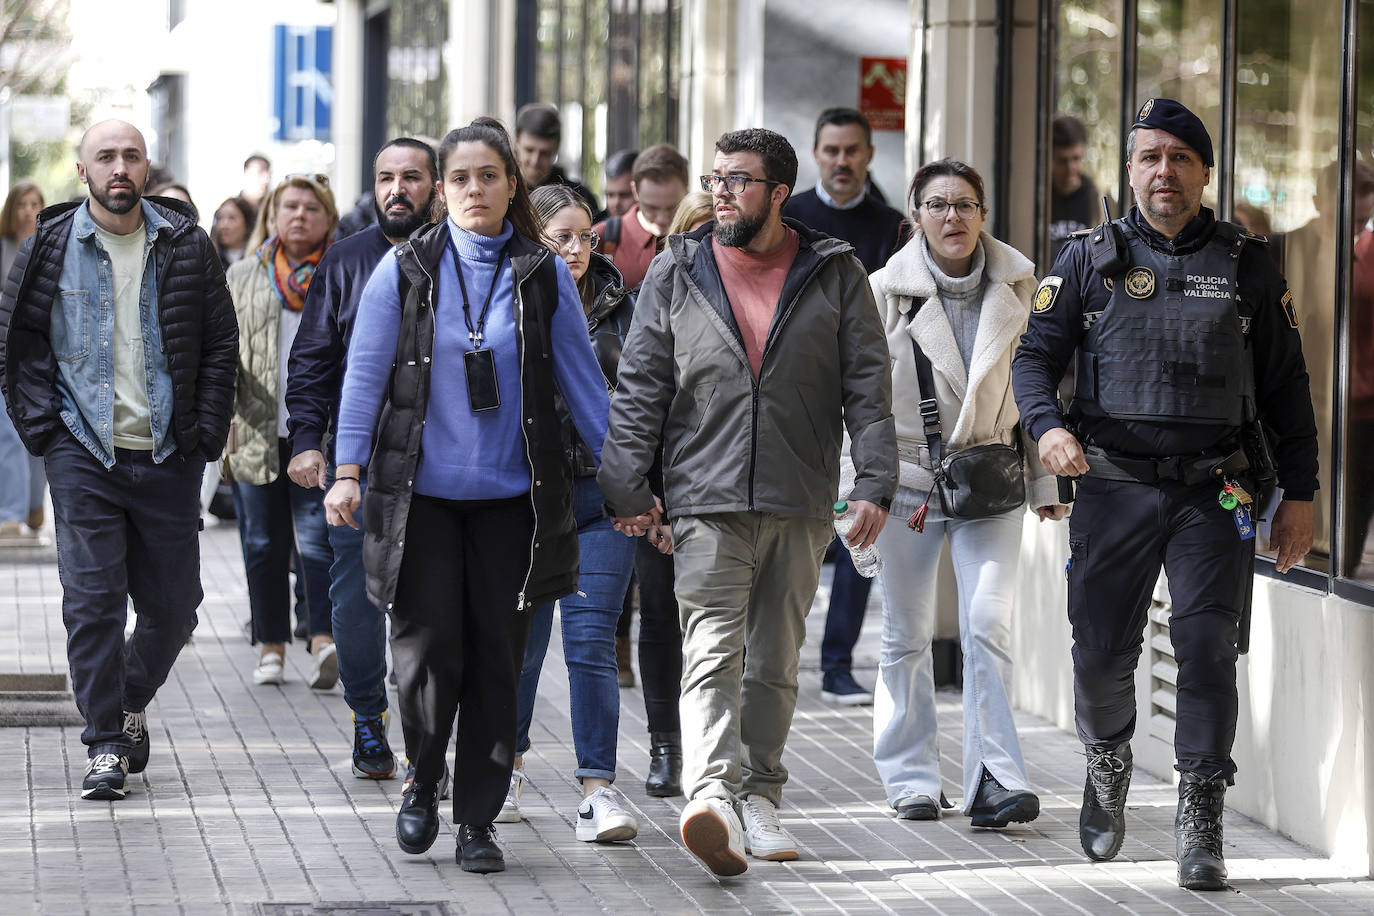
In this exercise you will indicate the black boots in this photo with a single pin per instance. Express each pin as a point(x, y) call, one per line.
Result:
point(417, 823)
point(1197, 828)
point(665, 765)
point(1102, 821)
point(477, 850)
point(994, 805)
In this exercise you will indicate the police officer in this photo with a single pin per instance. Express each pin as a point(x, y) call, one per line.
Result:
point(1183, 335)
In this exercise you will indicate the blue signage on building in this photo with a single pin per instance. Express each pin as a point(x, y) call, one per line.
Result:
point(302, 93)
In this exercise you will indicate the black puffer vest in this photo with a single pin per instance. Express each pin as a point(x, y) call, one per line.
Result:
point(553, 552)
point(1169, 345)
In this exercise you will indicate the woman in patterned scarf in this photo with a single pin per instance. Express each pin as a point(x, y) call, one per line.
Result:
point(269, 288)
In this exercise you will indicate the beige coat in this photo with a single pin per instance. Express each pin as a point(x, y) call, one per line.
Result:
point(977, 406)
point(252, 454)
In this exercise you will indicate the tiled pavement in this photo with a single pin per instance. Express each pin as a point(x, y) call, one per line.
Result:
point(249, 804)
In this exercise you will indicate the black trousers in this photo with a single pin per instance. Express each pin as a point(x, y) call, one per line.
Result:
point(127, 532)
point(1120, 534)
point(660, 638)
point(458, 641)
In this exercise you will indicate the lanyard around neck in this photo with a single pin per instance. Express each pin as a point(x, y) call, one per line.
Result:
point(476, 334)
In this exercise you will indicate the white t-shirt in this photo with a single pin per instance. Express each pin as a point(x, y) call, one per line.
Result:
point(133, 427)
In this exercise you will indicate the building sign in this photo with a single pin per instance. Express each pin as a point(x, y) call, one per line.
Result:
point(882, 91)
point(302, 93)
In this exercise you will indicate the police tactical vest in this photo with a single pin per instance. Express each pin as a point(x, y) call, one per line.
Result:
point(1169, 345)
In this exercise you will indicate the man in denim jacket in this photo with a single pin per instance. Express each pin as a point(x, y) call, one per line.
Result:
point(118, 346)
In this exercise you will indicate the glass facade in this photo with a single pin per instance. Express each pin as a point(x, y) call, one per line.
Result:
point(611, 67)
point(1267, 77)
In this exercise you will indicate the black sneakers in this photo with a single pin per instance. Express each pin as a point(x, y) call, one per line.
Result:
point(136, 727)
point(477, 850)
point(105, 778)
point(994, 805)
point(839, 688)
point(372, 756)
point(1197, 828)
point(1102, 820)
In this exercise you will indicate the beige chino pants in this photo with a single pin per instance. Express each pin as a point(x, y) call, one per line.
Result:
point(744, 581)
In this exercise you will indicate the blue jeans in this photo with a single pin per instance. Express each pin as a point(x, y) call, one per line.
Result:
point(589, 616)
point(269, 517)
point(21, 475)
point(359, 628)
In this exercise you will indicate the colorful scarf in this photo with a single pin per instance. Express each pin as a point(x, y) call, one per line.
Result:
point(291, 281)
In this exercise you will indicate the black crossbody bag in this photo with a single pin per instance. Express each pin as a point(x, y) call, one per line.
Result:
point(975, 482)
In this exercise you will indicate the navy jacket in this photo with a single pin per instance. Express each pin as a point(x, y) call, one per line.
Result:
point(315, 369)
point(874, 229)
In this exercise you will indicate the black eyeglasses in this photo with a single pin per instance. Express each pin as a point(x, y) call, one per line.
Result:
point(735, 184)
point(965, 209)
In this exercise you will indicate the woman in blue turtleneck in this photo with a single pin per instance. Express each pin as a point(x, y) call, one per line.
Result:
point(448, 400)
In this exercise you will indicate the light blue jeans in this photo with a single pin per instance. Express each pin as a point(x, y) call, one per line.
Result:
point(21, 475)
point(985, 552)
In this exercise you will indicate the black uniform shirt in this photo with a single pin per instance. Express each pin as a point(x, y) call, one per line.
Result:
point(1281, 387)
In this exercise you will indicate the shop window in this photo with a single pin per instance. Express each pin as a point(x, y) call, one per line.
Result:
point(1358, 467)
point(1286, 183)
point(1085, 134)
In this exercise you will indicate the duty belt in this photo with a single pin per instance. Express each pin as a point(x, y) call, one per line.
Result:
point(1188, 469)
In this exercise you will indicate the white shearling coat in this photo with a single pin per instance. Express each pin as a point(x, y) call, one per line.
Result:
point(976, 406)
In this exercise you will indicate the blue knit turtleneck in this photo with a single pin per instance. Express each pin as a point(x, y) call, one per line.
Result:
point(466, 454)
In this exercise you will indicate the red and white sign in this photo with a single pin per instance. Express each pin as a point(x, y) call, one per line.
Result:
point(882, 91)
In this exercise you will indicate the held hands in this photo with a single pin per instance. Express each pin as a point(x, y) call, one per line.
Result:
point(869, 519)
point(1061, 453)
point(1290, 534)
point(1051, 513)
point(661, 536)
point(307, 469)
point(632, 526)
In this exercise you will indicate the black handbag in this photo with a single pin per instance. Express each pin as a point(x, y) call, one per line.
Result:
point(975, 482)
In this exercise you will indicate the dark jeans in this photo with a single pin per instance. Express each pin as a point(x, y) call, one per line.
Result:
point(1120, 534)
point(660, 638)
point(129, 532)
point(272, 517)
point(359, 628)
point(457, 641)
point(844, 621)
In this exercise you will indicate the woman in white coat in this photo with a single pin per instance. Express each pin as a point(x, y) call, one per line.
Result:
point(964, 297)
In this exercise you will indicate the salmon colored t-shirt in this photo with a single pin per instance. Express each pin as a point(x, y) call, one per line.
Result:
point(753, 284)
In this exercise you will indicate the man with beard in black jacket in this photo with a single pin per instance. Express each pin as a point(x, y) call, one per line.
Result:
point(406, 180)
point(118, 351)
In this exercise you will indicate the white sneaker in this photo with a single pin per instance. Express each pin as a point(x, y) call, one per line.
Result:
point(271, 669)
point(713, 834)
point(601, 818)
point(324, 672)
point(510, 808)
point(764, 837)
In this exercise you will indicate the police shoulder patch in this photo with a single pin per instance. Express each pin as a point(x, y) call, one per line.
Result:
point(1140, 283)
point(1046, 294)
point(1292, 313)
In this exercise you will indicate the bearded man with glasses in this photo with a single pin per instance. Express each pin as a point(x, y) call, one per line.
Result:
point(754, 338)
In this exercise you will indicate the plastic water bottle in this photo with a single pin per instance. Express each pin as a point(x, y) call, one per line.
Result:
point(867, 560)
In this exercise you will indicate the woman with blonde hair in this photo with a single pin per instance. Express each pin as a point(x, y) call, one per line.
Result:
point(693, 211)
point(269, 287)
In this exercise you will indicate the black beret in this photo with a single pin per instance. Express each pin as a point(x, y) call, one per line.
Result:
point(1172, 117)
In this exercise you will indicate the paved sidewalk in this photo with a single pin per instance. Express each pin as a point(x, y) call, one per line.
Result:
point(249, 804)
